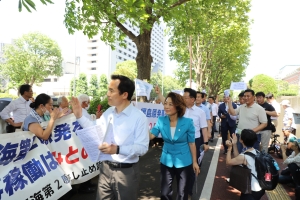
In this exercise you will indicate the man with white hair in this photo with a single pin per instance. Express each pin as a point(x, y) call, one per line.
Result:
point(84, 101)
point(63, 103)
point(288, 118)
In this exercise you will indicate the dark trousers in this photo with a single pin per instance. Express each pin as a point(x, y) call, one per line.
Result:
point(118, 183)
point(224, 133)
point(167, 177)
point(198, 143)
point(213, 128)
point(253, 196)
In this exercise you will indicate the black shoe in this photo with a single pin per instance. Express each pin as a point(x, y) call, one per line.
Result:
point(86, 190)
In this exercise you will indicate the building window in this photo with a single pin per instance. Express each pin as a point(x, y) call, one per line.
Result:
point(120, 51)
point(94, 61)
point(94, 54)
point(93, 68)
point(129, 49)
point(125, 53)
point(94, 47)
point(55, 79)
point(94, 40)
point(47, 80)
point(120, 57)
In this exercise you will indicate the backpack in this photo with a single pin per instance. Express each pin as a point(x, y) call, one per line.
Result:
point(264, 164)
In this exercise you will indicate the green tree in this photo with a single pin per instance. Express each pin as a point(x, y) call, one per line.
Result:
point(127, 68)
point(71, 93)
point(264, 83)
point(167, 85)
point(109, 17)
point(82, 84)
point(31, 59)
point(103, 83)
point(286, 89)
point(30, 4)
point(213, 40)
point(93, 87)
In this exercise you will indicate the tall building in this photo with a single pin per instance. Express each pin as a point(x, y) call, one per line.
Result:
point(101, 59)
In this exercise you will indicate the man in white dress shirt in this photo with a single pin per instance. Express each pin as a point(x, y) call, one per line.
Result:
point(19, 107)
point(214, 113)
point(199, 118)
point(127, 138)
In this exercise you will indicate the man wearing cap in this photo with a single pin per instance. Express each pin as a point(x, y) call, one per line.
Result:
point(288, 118)
point(271, 100)
point(288, 137)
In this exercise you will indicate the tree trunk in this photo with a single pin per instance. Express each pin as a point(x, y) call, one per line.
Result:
point(144, 58)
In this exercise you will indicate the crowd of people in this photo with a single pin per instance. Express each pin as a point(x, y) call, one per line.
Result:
point(186, 129)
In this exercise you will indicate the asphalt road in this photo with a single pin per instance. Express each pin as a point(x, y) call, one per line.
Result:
point(150, 178)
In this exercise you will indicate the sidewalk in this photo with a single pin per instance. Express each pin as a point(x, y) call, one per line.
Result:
point(211, 183)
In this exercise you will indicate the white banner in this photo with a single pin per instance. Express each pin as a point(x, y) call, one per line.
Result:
point(66, 147)
point(28, 169)
point(238, 86)
point(143, 88)
point(152, 112)
point(63, 152)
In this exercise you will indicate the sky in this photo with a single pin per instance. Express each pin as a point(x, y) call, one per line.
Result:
point(274, 33)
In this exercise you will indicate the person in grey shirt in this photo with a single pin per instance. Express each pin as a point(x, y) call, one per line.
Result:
point(251, 116)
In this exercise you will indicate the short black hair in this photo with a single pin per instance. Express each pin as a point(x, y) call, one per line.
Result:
point(270, 96)
point(202, 94)
point(24, 88)
point(213, 98)
point(241, 94)
point(260, 94)
point(251, 91)
point(193, 93)
point(126, 85)
point(40, 99)
point(249, 137)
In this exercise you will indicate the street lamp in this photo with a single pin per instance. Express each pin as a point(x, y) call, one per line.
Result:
point(77, 62)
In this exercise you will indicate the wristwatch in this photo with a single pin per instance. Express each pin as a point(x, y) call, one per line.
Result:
point(206, 143)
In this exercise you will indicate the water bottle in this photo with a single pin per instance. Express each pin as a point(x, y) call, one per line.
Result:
point(276, 165)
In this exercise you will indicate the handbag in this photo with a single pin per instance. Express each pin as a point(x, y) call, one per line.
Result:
point(240, 178)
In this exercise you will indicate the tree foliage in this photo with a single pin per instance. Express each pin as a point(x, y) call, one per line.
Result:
point(286, 89)
point(108, 18)
point(82, 85)
point(30, 4)
point(103, 84)
point(265, 84)
point(93, 86)
point(212, 38)
point(127, 68)
point(31, 59)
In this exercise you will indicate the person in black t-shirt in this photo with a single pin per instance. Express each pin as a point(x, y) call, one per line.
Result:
point(270, 111)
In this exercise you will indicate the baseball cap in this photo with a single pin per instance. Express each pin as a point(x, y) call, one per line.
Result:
point(287, 128)
point(285, 103)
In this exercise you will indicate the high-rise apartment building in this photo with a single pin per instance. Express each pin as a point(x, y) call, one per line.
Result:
point(101, 59)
